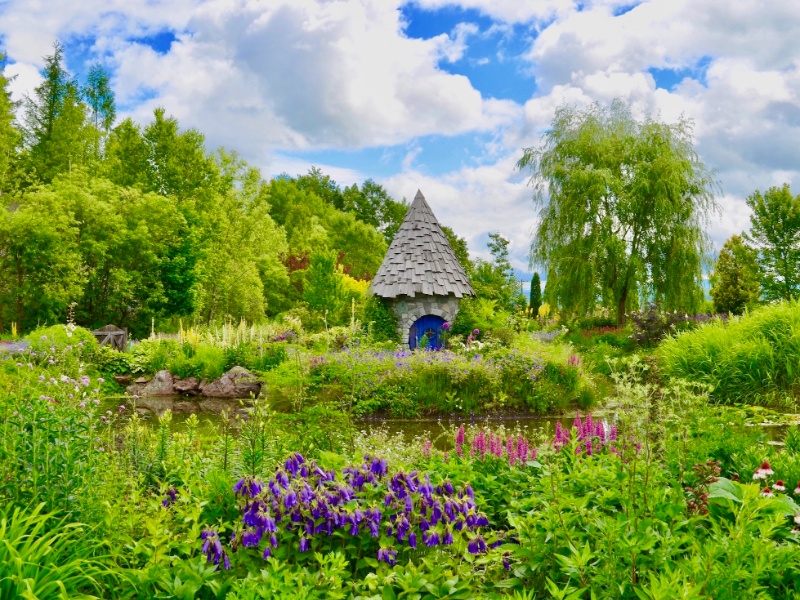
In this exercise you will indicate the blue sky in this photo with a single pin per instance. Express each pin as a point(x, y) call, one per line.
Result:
point(439, 95)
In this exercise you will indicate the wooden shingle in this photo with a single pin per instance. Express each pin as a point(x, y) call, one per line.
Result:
point(420, 259)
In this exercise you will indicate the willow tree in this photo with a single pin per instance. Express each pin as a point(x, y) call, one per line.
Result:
point(623, 202)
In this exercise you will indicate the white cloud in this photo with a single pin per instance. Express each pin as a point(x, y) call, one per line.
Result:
point(286, 74)
point(475, 201)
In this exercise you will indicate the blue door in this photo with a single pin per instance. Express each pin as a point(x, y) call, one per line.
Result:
point(430, 326)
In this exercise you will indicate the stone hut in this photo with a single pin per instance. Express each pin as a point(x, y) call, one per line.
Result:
point(421, 277)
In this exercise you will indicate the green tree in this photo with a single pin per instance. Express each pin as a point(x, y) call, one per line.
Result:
point(40, 266)
point(775, 233)
point(460, 249)
point(323, 286)
point(536, 294)
point(57, 138)
point(10, 136)
point(241, 272)
point(100, 97)
point(735, 280)
point(494, 280)
point(622, 207)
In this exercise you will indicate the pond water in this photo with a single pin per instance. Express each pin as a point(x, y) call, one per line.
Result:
point(439, 429)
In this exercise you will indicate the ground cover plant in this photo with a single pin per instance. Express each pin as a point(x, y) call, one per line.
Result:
point(476, 378)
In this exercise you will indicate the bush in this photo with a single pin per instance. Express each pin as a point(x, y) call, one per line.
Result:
point(381, 320)
point(49, 340)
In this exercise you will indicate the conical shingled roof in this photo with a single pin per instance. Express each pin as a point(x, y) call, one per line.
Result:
point(420, 259)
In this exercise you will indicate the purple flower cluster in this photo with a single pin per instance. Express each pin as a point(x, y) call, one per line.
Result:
point(592, 436)
point(212, 548)
point(311, 503)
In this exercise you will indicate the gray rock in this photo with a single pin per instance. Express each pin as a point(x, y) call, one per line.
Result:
point(189, 386)
point(236, 383)
point(160, 385)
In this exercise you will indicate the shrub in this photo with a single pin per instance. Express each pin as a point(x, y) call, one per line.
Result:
point(49, 340)
point(380, 319)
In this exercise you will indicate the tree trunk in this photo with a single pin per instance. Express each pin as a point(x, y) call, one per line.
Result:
point(623, 300)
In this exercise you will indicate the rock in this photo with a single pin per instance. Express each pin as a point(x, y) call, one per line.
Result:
point(236, 383)
point(122, 379)
point(189, 386)
point(160, 385)
point(142, 380)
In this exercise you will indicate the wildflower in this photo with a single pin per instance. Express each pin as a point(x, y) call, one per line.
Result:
point(305, 544)
point(778, 486)
point(767, 493)
point(412, 540)
point(387, 555)
point(121, 408)
point(797, 489)
point(796, 519)
point(446, 326)
point(85, 381)
point(169, 497)
point(476, 545)
point(476, 332)
point(763, 471)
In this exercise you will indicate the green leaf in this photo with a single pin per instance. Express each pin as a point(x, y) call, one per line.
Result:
point(725, 488)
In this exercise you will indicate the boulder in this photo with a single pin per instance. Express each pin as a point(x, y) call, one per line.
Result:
point(160, 385)
point(236, 383)
point(189, 386)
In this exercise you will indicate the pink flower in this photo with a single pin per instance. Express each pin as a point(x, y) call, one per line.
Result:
point(476, 331)
point(763, 471)
point(778, 486)
point(446, 326)
point(767, 493)
point(797, 489)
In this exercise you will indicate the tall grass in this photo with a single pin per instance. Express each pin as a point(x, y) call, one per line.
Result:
point(753, 359)
point(42, 558)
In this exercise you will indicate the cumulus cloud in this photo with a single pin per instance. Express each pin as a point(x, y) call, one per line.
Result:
point(475, 201)
point(286, 74)
point(744, 101)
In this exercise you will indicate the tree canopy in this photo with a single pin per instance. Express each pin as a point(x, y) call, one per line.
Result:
point(775, 233)
point(734, 282)
point(622, 205)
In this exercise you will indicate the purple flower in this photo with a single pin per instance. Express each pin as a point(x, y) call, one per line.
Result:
point(446, 326)
point(169, 497)
point(412, 540)
point(476, 331)
point(476, 545)
point(305, 544)
point(387, 555)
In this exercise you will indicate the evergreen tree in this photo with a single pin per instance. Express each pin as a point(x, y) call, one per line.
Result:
point(9, 134)
point(100, 98)
point(735, 284)
point(536, 294)
point(56, 134)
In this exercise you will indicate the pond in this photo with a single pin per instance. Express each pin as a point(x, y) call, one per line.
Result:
point(436, 428)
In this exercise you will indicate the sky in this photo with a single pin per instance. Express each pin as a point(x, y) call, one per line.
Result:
point(439, 95)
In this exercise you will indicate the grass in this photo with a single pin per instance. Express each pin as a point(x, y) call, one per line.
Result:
point(41, 558)
point(753, 359)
